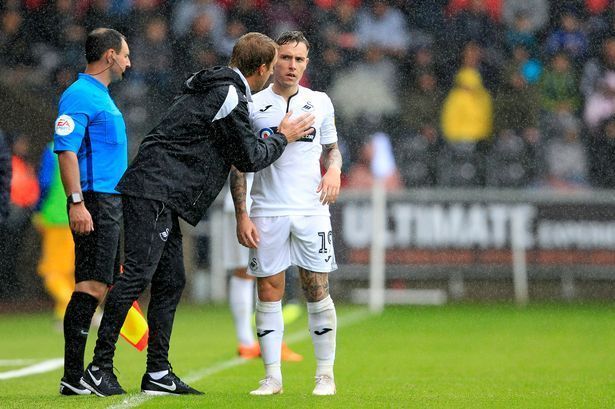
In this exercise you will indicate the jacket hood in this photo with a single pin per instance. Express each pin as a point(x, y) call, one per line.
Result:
point(469, 78)
point(203, 80)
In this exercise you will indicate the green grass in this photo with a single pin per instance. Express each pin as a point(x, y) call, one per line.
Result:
point(458, 356)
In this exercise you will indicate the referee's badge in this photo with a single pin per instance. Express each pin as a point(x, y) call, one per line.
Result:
point(64, 125)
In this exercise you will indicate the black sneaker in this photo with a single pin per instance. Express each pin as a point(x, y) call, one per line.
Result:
point(101, 381)
point(170, 384)
point(72, 388)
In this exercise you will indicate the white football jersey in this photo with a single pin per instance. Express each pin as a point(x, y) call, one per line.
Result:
point(288, 186)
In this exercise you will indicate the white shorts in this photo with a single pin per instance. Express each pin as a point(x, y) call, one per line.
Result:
point(234, 254)
point(303, 241)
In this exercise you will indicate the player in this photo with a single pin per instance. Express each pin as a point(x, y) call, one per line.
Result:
point(289, 219)
point(241, 287)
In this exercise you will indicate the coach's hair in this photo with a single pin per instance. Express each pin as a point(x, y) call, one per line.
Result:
point(293, 37)
point(251, 51)
point(100, 40)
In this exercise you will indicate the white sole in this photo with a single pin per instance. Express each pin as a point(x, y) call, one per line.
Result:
point(91, 389)
point(159, 393)
point(77, 391)
point(254, 393)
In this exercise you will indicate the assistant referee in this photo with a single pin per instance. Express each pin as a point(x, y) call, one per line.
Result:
point(90, 140)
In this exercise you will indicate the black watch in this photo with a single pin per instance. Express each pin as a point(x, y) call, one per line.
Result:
point(74, 198)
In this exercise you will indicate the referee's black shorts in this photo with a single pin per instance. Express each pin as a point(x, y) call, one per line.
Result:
point(97, 255)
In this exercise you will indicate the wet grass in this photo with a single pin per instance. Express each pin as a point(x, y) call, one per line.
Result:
point(456, 356)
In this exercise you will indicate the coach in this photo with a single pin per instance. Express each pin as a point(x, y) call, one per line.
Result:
point(180, 168)
point(90, 140)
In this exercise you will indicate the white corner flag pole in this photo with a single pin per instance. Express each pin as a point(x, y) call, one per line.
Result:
point(519, 261)
point(377, 251)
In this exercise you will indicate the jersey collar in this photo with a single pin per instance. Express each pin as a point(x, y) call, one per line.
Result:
point(93, 81)
point(245, 82)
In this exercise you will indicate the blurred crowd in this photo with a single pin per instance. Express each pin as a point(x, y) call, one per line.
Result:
point(503, 93)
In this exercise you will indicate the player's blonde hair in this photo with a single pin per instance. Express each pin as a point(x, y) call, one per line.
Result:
point(251, 51)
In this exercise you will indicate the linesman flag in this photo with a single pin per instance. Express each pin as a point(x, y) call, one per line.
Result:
point(135, 329)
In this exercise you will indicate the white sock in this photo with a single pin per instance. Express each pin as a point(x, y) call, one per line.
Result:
point(270, 330)
point(241, 298)
point(323, 328)
point(158, 375)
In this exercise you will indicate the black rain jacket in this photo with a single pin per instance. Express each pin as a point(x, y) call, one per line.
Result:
point(185, 160)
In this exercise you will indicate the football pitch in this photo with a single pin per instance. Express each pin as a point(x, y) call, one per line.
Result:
point(456, 356)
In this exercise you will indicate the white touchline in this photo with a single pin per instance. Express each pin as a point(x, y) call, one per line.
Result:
point(41, 367)
point(136, 400)
point(17, 362)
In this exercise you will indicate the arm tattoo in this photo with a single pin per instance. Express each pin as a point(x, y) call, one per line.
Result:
point(315, 285)
point(332, 155)
point(238, 191)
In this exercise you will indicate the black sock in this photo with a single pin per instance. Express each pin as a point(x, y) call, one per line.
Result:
point(77, 321)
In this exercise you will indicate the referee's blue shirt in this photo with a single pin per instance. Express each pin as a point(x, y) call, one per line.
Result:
point(90, 125)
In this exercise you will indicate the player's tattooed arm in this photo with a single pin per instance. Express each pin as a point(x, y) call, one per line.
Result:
point(315, 285)
point(329, 187)
point(247, 234)
point(239, 190)
point(332, 155)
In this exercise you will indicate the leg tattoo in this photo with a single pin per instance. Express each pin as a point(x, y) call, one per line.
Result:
point(315, 285)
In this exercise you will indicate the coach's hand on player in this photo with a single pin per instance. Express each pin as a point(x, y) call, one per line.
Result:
point(80, 219)
point(247, 234)
point(329, 186)
point(296, 128)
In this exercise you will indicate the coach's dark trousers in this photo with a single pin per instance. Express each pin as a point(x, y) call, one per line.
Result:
point(153, 253)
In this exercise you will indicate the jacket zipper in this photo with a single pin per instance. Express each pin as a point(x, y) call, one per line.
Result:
point(197, 198)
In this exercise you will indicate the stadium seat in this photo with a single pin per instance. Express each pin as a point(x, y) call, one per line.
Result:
point(460, 165)
point(416, 158)
point(505, 163)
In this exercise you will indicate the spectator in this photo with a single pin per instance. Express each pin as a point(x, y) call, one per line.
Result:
point(474, 23)
point(492, 7)
point(520, 34)
point(427, 16)
point(536, 12)
point(558, 86)
point(140, 14)
point(421, 102)
point(185, 12)
point(568, 38)
point(5, 178)
point(98, 14)
point(516, 105)
point(467, 114)
point(566, 158)
point(475, 57)
point(340, 26)
point(601, 104)
point(154, 55)
point(601, 153)
point(57, 263)
point(530, 68)
point(598, 67)
point(196, 49)
point(234, 30)
point(376, 77)
point(376, 161)
point(250, 13)
point(24, 196)
point(287, 15)
point(14, 45)
point(384, 27)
